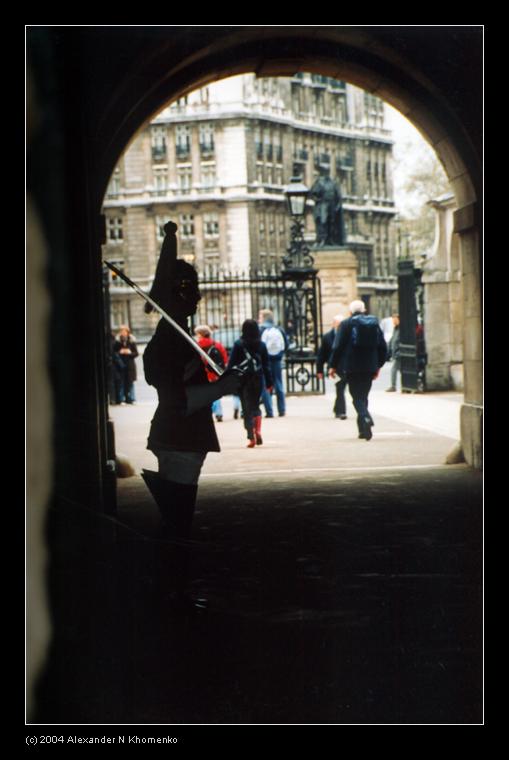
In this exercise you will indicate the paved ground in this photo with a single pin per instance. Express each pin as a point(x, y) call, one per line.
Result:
point(352, 599)
point(410, 429)
point(343, 578)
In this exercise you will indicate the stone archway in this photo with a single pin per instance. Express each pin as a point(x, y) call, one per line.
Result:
point(95, 87)
point(368, 59)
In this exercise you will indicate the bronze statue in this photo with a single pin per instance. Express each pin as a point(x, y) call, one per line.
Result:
point(328, 211)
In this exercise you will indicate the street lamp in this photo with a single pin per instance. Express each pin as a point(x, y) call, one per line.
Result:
point(296, 193)
point(298, 257)
point(301, 294)
point(300, 306)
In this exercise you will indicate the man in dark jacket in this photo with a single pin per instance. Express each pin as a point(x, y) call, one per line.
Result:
point(322, 359)
point(359, 351)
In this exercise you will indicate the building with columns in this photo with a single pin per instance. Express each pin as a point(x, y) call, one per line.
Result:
point(216, 162)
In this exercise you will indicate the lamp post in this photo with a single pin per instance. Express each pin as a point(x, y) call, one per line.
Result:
point(298, 256)
point(301, 298)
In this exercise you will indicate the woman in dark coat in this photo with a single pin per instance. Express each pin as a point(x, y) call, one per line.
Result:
point(125, 352)
point(250, 345)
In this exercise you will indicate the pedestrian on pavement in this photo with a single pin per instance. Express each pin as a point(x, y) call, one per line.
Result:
point(276, 342)
point(359, 351)
point(248, 346)
point(324, 352)
point(182, 430)
point(393, 354)
point(421, 355)
point(236, 407)
point(291, 335)
point(125, 352)
point(218, 354)
point(115, 367)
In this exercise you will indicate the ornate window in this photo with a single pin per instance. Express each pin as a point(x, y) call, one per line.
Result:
point(158, 137)
point(208, 175)
point(183, 140)
point(185, 178)
point(114, 186)
point(207, 138)
point(119, 313)
point(186, 226)
point(211, 225)
point(160, 180)
point(114, 229)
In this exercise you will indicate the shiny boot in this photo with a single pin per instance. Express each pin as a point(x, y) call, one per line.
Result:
point(176, 502)
point(258, 430)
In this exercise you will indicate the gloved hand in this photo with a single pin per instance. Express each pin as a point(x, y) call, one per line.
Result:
point(230, 381)
point(199, 396)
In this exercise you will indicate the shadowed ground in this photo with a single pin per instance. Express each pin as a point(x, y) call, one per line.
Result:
point(343, 579)
point(329, 603)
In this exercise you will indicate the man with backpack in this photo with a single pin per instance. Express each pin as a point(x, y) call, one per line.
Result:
point(218, 354)
point(276, 343)
point(358, 352)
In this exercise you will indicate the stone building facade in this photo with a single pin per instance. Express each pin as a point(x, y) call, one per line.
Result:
point(216, 162)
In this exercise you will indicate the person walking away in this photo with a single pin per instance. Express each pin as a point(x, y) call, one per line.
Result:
point(422, 357)
point(250, 345)
point(182, 430)
point(218, 354)
point(359, 351)
point(236, 407)
point(394, 354)
point(125, 352)
point(322, 359)
point(276, 342)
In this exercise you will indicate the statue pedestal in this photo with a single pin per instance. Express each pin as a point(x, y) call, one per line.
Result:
point(338, 280)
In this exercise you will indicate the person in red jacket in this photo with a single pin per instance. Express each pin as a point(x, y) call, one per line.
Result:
point(218, 354)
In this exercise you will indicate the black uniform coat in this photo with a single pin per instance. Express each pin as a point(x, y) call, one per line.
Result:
point(171, 364)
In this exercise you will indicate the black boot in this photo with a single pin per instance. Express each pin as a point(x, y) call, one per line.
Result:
point(176, 502)
point(364, 424)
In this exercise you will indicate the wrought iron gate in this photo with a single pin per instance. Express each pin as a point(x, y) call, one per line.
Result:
point(230, 297)
point(412, 346)
point(302, 309)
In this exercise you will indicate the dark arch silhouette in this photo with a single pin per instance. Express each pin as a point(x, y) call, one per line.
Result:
point(92, 88)
point(108, 81)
